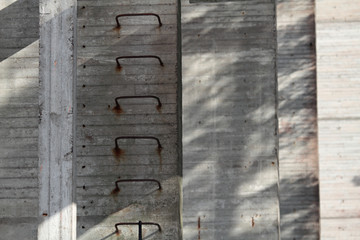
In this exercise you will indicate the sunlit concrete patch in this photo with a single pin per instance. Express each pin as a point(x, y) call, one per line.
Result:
point(6, 3)
point(18, 73)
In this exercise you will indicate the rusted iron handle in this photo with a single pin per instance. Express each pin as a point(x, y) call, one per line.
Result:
point(137, 14)
point(148, 96)
point(137, 180)
point(139, 224)
point(142, 56)
point(137, 137)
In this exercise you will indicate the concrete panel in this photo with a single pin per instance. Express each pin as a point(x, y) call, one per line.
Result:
point(230, 167)
point(99, 82)
point(337, 30)
point(298, 156)
point(19, 74)
point(57, 210)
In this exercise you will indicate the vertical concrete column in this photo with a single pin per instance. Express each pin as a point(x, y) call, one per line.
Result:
point(338, 85)
point(298, 153)
point(56, 120)
point(230, 167)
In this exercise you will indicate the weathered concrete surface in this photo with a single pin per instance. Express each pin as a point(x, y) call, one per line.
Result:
point(19, 62)
point(57, 211)
point(298, 156)
point(230, 167)
point(99, 82)
point(338, 84)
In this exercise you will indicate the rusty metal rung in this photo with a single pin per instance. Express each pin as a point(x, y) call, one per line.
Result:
point(137, 14)
point(147, 96)
point(139, 224)
point(137, 137)
point(137, 180)
point(140, 56)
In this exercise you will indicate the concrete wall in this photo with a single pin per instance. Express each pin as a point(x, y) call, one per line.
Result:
point(19, 74)
point(99, 82)
point(299, 187)
point(230, 167)
point(338, 84)
point(57, 210)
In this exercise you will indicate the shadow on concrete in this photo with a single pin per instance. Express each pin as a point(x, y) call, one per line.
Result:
point(356, 180)
point(19, 27)
point(299, 193)
point(303, 189)
point(19, 33)
point(299, 183)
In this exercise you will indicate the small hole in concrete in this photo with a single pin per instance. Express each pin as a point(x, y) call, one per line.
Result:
point(84, 85)
point(84, 46)
point(84, 26)
point(83, 125)
point(84, 66)
point(83, 167)
point(83, 146)
point(84, 105)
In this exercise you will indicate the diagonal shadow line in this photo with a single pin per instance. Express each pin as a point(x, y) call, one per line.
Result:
point(16, 34)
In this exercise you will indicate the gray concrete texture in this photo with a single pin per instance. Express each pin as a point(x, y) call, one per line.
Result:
point(229, 101)
point(230, 166)
point(338, 84)
point(56, 120)
point(99, 82)
point(19, 71)
point(298, 156)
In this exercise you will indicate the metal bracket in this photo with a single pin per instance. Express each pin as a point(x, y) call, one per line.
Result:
point(139, 224)
point(137, 180)
point(148, 96)
point(137, 14)
point(141, 56)
point(136, 137)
